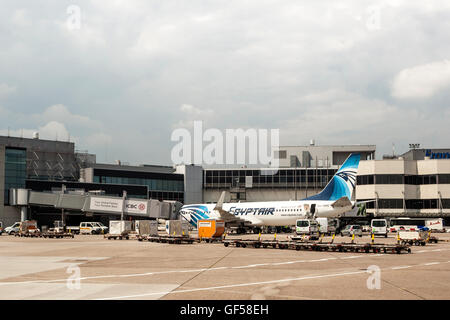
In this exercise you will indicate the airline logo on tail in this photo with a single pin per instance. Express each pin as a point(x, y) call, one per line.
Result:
point(343, 182)
point(193, 213)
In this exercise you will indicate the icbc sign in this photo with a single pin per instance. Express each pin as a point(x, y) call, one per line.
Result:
point(135, 206)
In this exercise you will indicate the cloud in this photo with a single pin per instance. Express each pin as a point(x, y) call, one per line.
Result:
point(62, 113)
point(135, 70)
point(189, 113)
point(339, 117)
point(54, 131)
point(20, 18)
point(6, 90)
point(422, 81)
point(50, 131)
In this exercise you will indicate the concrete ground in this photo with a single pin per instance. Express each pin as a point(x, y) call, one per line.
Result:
point(37, 268)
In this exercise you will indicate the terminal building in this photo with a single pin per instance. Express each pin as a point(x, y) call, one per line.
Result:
point(416, 183)
point(304, 171)
point(45, 180)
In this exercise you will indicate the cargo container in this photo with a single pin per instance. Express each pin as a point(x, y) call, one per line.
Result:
point(177, 228)
point(146, 227)
point(119, 227)
point(210, 229)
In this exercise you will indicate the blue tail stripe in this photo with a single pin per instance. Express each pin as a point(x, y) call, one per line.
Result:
point(338, 187)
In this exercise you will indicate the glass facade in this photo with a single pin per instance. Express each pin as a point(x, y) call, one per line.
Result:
point(401, 179)
point(15, 170)
point(152, 184)
point(409, 203)
point(283, 178)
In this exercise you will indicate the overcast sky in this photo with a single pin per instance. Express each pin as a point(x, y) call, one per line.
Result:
point(350, 72)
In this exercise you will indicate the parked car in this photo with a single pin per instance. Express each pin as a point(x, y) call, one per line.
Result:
point(13, 229)
point(351, 229)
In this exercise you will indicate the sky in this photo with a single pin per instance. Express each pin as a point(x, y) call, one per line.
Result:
point(118, 77)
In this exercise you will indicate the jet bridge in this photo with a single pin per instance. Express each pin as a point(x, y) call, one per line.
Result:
point(94, 204)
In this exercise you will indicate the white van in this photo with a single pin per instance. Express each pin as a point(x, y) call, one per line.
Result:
point(307, 227)
point(379, 227)
point(90, 228)
point(327, 225)
point(13, 229)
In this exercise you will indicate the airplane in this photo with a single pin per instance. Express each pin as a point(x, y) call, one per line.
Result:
point(332, 201)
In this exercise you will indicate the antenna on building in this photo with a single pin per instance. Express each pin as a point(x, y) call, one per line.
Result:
point(8, 132)
point(393, 149)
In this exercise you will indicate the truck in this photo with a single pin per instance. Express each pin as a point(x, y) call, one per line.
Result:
point(28, 227)
point(379, 227)
point(327, 226)
point(88, 228)
point(307, 227)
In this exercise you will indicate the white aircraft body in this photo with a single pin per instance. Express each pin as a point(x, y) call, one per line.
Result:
point(332, 201)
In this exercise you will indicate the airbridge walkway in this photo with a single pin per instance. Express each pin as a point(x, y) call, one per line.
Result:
point(94, 204)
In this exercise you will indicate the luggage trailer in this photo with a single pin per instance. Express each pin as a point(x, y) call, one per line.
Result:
point(173, 239)
point(318, 246)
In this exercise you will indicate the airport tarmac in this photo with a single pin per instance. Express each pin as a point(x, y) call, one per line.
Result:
point(37, 268)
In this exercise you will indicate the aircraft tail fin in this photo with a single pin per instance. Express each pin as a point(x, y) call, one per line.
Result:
point(343, 182)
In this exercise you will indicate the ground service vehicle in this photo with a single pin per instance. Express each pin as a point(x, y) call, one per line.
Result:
point(307, 227)
point(327, 225)
point(28, 227)
point(103, 227)
point(379, 227)
point(413, 237)
point(352, 229)
point(13, 229)
point(415, 224)
point(90, 228)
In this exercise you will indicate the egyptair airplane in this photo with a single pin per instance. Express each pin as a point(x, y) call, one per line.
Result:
point(332, 201)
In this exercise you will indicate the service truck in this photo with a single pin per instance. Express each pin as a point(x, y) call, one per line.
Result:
point(327, 225)
point(307, 227)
